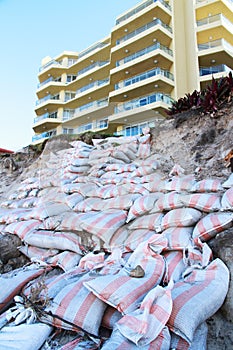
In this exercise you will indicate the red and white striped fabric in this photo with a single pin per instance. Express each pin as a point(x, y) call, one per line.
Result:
point(206, 202)
point(211, 224)
point(22, 228)
point(91, 260)
point(81, 188)
point(38, 253)
point(226, 184)
point(65, 260)
point(10, 216)
point(167, 201)
point(143, 170)
point(142, 205)
point(118, 342)
point(81, 343)
point(181, 217)
point(12, 282)
point(199, 341)
point(180, 183)
point(200, 294)
point(58, 240)
point(144, 150)
point(136, 237)
point(175, 265)
point(76, 307)
point(72, 199)
point(48, 209)
point(89, 204)
point(207, 185)
point(150, 222)
point(157, 185)
point(227, 200)
point(178, 238)
point(103, 224)
point(118, 239)
point(144, 325)
point(72, 221)
point(125, 292)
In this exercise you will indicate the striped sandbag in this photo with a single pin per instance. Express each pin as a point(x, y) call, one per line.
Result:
point(150, 222)
point(199, 341)
point(37, 253)
point(123, 291)
point(81, 188)
point(211, 224)
point(178, 237)
point(58, 240)
point(226, 184)
point(180, 217)
point(76, 307)
point(143, 170)
point(72, 199)
point(111, 317)
point(180, 183)
point(200, 294)
point(142, 205)
point(136, 237)
point(207, 185)
point(103, 224)
point(72, 221)
point(81, 343)
point(89, 204)
point(22, 228)
point(65, 260)
point(118, 239)
point(167, 201)
point(144, 325)
point(118, 342)
point(227, 200)
point(207, 202)
point(124, 202)
point(175, 265)
point(157, 185)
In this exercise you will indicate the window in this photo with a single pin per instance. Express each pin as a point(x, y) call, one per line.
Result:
point(70, 77)
point(68, 113)
point(68, 131)
point(69, 96)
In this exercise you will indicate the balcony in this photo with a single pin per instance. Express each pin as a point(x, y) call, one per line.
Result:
point(44, 135)
point(215, 44)
point(46, 98)
point(143, 76)
point(199, 2)
point(51, 63)
point(91, 105)
point(222, 68)
point(92, 66)
point(152, 24)
point(143, 101)
point(96, 125)
point(213, 19)
point(92, 48)
point(96, 83)
point(46, 116)
point(140, 8)
point(143, 52)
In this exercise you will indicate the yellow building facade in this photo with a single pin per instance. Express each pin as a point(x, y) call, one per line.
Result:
point(156, 52)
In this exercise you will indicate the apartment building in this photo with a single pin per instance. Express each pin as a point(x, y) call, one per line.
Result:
point(156, 52)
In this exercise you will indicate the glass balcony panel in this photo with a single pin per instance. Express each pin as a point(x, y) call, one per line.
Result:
point(45, 116)
point(143, 52)
point(46, 134)
point(92, 48)
point(143, 101)
point(215, 43)
point(91, 85)
point(92, 66)
point(142, 29)
point(214, 69)
point(212, 19)
point(50, 63)
point(140, 8)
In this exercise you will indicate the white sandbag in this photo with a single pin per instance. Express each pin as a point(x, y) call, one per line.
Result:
point(200, 294)
point(111, 317)
point(118, 239)
point(229, 182)
point(22, 228)
point(227, 200)
point(48, 209)
point(136, 237)
point(207, 185)
point(36, 253)
point(180, 218)
point(211, 224)
point(178, 238)
point(199, 341)
point(142, 205)
point(66, 260)
point(24, 336)
point(180, 183)
point(206, 202)
point(72, 199)
point(150, 222)
point(58, 240)
point(167, 201)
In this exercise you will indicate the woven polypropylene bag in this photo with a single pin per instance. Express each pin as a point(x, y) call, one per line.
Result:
point(200, 294)
point(227, 200)
point(207, 202)
point(181, 217)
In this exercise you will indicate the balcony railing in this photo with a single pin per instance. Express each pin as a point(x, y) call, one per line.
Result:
point(143, 101)
point(92, 66)
point(94, 104)
point(200, 1)
point(99, 124)
point(143, 29)
point(44, 135)
point(143, 76)
point(91, 85)
point(143, 52)
point(48, 80)
point(215, 43)
point(96, 46)
point(45, 116)
point(50, 63)
point(47, 97)
point(215, 18)
point(214, 69)
point(140, 8)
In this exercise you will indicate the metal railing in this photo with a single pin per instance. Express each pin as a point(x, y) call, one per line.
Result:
point(142, 29)
point(96, 46)
point(200, 1)
point(214, 69)
point(146, 75)
point(212, 19)
point(143, 101)
point(91, 85)
point(47, 97)
point(92, 66)
point(45, 116)
point(143, 52)
point(215, 43)
point(44, 135)
point(140, 8)
point(50, 63)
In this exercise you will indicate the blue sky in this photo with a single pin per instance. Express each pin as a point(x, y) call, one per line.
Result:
point(31, 30)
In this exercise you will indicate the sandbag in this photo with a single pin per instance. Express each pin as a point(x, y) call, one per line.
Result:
point(207, 185)
point(227, 200)
point(142, 205)
point(180, 218)
point(207, 202)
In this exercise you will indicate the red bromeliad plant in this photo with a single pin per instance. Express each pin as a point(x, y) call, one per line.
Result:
point(208, 100)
